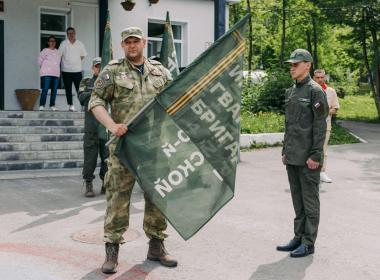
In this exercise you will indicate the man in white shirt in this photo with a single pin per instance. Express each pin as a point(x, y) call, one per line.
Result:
point(73, 52)
point(332, 100)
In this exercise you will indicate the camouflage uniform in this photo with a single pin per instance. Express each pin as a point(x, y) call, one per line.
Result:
point(94, 142)
point(127, 90)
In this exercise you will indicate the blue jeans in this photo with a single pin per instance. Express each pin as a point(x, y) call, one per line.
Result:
point(52, 83)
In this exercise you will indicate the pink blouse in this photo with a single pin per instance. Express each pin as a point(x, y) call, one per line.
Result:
point(49, 61)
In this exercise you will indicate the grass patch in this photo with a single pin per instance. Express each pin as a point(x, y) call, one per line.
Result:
point(340, 135)
point(358, 108)
point(266, 122)
point(274, 122)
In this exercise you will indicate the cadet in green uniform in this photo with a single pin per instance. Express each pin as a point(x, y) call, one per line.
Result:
point(305, 128)
point(127, 85)
point(94, 134)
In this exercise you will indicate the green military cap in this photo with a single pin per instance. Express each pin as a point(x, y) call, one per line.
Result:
point(96, 61)
point(300, 55)
point(131, 32)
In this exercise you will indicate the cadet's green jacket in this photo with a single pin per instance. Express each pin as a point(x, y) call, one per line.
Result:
point(85, 89)
point(91, 125)
point(306, 111)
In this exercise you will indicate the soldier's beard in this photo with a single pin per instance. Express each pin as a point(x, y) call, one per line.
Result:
point(135, 58)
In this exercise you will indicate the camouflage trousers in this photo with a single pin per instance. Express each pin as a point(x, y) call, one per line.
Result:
point(119, 185)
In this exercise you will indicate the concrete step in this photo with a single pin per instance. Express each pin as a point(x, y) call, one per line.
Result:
point(39, 164)
point(41, 155)
point(7, 138)
point(41, 146)
point(41, 122)
point(41, 115)
point(42, 173)
point(40, 129)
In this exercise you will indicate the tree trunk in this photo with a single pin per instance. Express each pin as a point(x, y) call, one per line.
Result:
point(315, 42)
point(283, 36)
point(309, 46)
point(250, 50)
point(375, 46)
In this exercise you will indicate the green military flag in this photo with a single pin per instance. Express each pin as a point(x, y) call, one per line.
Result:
point(107, 53)
point(182, 147)
point(168, 56)
point(107, 56)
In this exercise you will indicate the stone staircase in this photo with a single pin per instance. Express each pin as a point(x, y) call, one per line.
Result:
point(32, 140)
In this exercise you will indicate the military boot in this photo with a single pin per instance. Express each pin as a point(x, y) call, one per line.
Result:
point(110, 264)
point(103, 189)
point(89, 189)
point(157, 252)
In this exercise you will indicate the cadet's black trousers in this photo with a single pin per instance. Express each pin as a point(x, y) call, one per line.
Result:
point(93, 146)
point(304, 187)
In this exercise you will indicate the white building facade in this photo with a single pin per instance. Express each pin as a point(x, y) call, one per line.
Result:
point(26, 24)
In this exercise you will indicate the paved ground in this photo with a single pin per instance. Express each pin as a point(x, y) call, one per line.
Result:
point(40, 216)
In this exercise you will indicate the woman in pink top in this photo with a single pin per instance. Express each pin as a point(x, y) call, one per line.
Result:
point(49, 61)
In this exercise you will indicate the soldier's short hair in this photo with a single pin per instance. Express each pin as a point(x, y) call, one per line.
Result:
point(320, 71)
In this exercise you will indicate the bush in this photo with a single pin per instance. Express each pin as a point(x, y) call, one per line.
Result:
point(269, 95)
point(345, 88)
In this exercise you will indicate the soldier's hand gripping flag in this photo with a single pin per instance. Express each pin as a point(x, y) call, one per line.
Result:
point(183, 145)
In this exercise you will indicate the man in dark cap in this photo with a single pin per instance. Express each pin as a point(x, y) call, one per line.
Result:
point(305, 128)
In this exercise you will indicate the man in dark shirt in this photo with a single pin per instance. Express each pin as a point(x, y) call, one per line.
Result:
point(95, 136)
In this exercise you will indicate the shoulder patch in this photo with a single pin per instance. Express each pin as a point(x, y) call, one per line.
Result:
point(154, 62)
point(115, 61)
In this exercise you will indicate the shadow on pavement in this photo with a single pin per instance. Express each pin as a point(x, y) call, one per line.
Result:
point(137, 272)
point(53, 199)
point(285, 269)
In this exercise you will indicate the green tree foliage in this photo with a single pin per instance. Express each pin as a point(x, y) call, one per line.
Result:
point(269, 95)
point(332, 30)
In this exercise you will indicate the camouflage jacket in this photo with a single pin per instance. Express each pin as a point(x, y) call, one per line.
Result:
point(306, 111)
point(126, 89)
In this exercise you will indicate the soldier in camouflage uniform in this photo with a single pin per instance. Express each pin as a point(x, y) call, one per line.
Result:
point(94, 134)
point(305, 129)
point(127, 85)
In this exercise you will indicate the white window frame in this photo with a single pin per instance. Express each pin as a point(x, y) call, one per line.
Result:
point(181, 41)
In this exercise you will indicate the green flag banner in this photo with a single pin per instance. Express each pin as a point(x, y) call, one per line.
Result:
point(168, 56)
point(182, 147)
point(107, 53)
point(107, 56)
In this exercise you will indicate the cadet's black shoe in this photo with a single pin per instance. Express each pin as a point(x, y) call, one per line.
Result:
point(292, 245)
point(302, 251)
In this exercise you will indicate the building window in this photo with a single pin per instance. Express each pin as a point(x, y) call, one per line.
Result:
point(52, 24)
point(155, 33)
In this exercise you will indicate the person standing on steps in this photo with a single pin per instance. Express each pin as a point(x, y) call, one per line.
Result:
point(73, 52)
point(49, 61)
